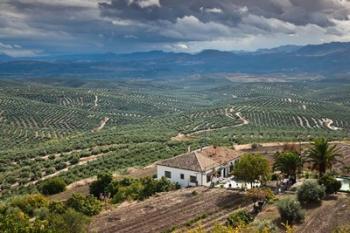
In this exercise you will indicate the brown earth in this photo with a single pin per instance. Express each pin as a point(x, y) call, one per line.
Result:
point(172, 210)
point(332, 214)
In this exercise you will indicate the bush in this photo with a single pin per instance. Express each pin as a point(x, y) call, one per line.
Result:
point(310, 192)
point(52, 186)
point(138, 189)
point(290, 210)
point(239, 217)
point(260, 194)
point(29, 203)
point(331, 184)
point(119, 197)
point(70, 221)
point(57, 207)
point(88, 205)
point(41, 213)
point(99, 186)
point(74, 159)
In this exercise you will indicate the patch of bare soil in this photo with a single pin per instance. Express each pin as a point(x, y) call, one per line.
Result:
point(168, 210)
point(101, 125)
point(329, 216)
point(329, 124)
point(180, 137)
point(96, 101)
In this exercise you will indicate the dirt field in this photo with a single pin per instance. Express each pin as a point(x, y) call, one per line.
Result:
point(173, 210)
point(333, 213)
point(325, 219)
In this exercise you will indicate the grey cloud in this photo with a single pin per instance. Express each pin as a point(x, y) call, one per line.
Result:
point(117, 25)
point(172, 10)
point(299, 12)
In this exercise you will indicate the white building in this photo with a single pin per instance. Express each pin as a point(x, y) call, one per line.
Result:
point(199, 167)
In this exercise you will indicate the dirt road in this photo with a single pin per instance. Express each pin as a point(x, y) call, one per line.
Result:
point(102, 124)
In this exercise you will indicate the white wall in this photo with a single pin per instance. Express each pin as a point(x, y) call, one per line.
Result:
point(201, 177)
point(175, 175)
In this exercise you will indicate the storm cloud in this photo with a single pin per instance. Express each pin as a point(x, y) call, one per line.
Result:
point(34, 27)
point(230, 12)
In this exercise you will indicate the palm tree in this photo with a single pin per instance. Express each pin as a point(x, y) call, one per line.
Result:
point(288, 163)
point(322, 155)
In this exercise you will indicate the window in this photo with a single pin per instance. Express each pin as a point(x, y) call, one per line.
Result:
point(167, 174)
point(182, 176)
point(193, 179)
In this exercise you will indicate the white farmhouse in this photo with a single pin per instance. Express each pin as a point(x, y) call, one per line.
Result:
point(199, 167)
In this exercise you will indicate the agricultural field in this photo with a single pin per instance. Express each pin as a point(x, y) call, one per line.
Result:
point(56, 127)
point(160, 214)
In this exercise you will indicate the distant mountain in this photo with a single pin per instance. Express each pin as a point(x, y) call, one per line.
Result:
point(335, 48)
point(327, 59)
point(4, 57)
point(281, 49)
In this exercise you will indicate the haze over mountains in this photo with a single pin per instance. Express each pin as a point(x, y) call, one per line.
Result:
point(331, 60)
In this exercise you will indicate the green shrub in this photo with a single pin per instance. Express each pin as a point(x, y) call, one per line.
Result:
point(29, 203)
point(290, 210)
point(331, 184)
point(88, 205)
point(99, 186)
point(119, 197)
point(41, 213)
point(52, 186)
point(164, 185)
point(74, 159)
point(239, 217)
point(57, 207)
point(132, 189)
point(70, 221)
point(310, 192)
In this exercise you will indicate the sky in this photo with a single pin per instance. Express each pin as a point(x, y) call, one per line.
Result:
point(49, 27)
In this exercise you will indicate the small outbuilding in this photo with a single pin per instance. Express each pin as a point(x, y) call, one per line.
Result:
point(199, 167)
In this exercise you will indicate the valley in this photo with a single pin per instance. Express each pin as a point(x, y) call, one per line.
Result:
point(56, 129)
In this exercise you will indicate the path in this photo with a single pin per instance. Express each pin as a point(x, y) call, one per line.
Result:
point(102, 124)
point(96, 101)
point(244, 121)
point(328, 123)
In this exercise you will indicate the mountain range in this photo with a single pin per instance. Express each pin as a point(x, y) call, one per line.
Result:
point(331, 60)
